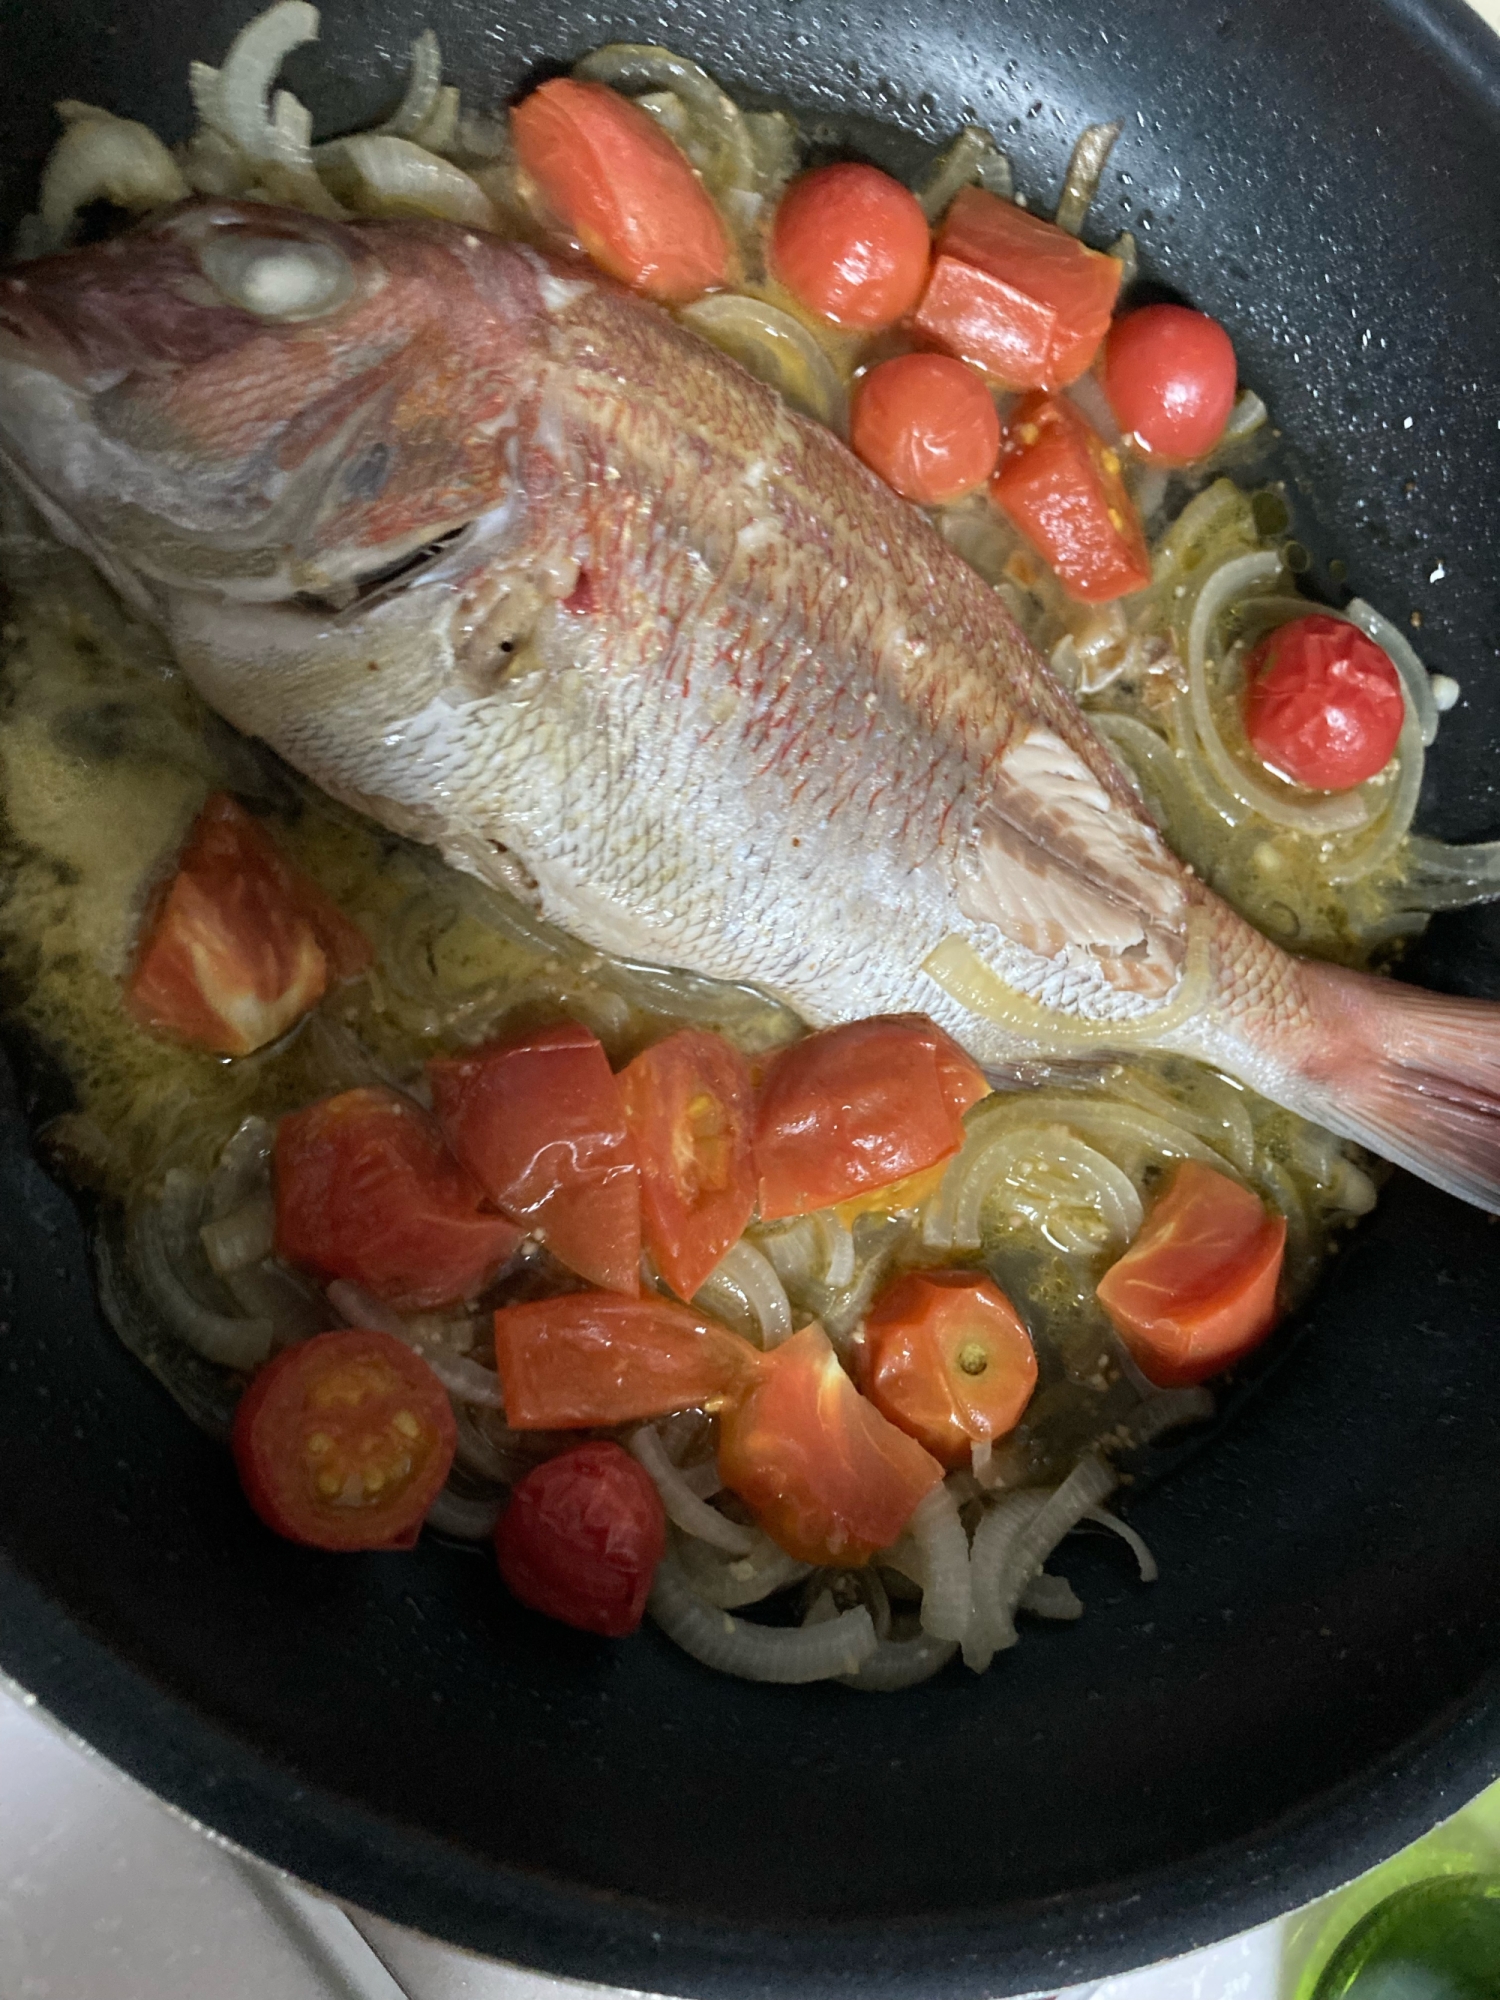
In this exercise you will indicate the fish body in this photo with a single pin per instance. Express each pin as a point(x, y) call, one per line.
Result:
point(503, 556)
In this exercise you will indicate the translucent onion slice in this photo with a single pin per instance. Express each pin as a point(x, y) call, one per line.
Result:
point(467, 1517)
point(1168, 1410)
point(970, 159)
point(1144, 1560)
point(100, 158)
point(246, 1235)
point(1246, 417)
point(159, 1238)
point(1440, 877)
point(421, 97)
point(1048, 1596)
point(785, 1656)
point(683, 1507)
point(943, 1550)
point(375, 173)
point(241, 101)
point(1081, 182)
point(747, 1579)
point(1020, 1171)
point(901, 1663)
point(1011, 1544)
point(744, 1286)
point(467, 1381)
point(777, 349)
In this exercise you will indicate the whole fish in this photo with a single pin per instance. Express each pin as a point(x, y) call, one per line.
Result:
point(504, 557)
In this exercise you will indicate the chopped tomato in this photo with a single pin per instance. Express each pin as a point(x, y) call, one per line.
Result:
point(367, 1191)
point(1323, 703)
point(540, 1123)
point(586, 1358)
point(928, 425)
point(948, 1360)
point(1017, 296)
point(1060, 484)
point(829, 1478)
point(852, 245)
point(1170, 377)
point(1197, 1288)
point(616, 182)
point(242, 944)
point(581, 1538)
point(859, 1107)
point(690, 1107)
point(344, 1441)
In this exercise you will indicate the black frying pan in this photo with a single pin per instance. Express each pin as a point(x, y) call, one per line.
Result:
point(1314, 1681)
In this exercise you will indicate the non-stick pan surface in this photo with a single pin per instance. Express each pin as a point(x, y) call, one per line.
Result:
point(1314, 1679)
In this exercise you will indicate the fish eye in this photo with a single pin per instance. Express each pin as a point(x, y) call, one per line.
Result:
point(278, 277)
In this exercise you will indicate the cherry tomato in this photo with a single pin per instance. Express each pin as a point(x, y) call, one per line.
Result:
point(1170, 377)
point(859, 1107)
point(589, 1359)
point(540, 1123)
point(1060, 484)
point(367, 1191)
point(581, 1539)
point(851, 244)
point(829, 1478)
point(690, 1107)
point(242, 944)
point(344, 1441)
point(1323, 703)
point(948, 1361)
point(928, 425)
point(1197, 1288)
point(615, 180)
point(1019, 297)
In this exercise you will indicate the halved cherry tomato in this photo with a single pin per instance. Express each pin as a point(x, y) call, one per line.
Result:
point(851, 244)
point(581, 1539)
point(615, 180)
point(948, 1360)
point(690, 1106)
point(1170, 376)
point(242, 944)
point(1197, 1288)
point(829, 1478)
point(367, 1191)
point(540, 1123)
point(1060, 484)
point(928, 425)
point(589, 1359)
point(1017, 296)
point(1323, 703)
point(859, 1107)
point(344, 1441)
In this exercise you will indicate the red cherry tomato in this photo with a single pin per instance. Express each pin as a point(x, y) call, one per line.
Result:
point(851, 244)
point(948, 1360)
point(829, 1478)
point(1197, 1288)
point(1170, 378)
point(1060, 484)
point(590, 1359)
point(344, 1442)
point(928, 425)
point(581, 1539)
point(690, 1107)
point(1323, 703)
point(540, 1123)
point(615, 180)
point(367, 1191)
point(242, 944)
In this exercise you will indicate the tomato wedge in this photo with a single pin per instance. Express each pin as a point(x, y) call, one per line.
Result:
point(1060, 484)
point(344, 1441)
point(690, 1106)
point(588, 1359)
point(367, 1191)
point(1323, 703)
point(540, 1123)
point(859, 1107)
point(829, 1478)
point(1197, 1288)
point(616, 181)
point(581, 1539)
point(948, 1360)
point(242, 943)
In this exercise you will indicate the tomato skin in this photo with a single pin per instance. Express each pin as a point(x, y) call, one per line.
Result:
point(928, 425)
point(242, 944)
point(690, 1106)
point(581, 1538)
point(540, 1123)
point(1323, 703)
point(1170, 376)
point(351, 1402)
point(589, 1359)
point(1060, 485)
point(1197, 1288)
point(851, 244)
point(948, 1360)
point(366, 1190)
point(616, 181)
point(829, 1478)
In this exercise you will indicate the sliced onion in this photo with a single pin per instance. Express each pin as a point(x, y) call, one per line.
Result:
point(1225, 1126)
point(901, 1663)
point(243, 1167)
point(246, 1235)
point(748, 1579)
point(465, 1380)
point(970, 158)
point(1168, 1410)
point(100, 158)
point(1145, 1561)
point(684, 1508)
point(241, 101)
point(1440, 877)
point(467, 1517)
point(746, 1282)
point(1081, 182)
point(158, 1238)
point(376, 173)
point(1127, 256)
point(725, 154)
point(422, 86)
point(1011, 1544)
point(777, 349)
point(942, 1548)
point(1053, 1597)
point(1246, 417)
point(787, 1656)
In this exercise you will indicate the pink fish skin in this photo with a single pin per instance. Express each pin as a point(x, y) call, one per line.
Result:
point(509, 559)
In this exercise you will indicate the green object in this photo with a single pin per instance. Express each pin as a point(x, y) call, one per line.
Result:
point(1433, 1940)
